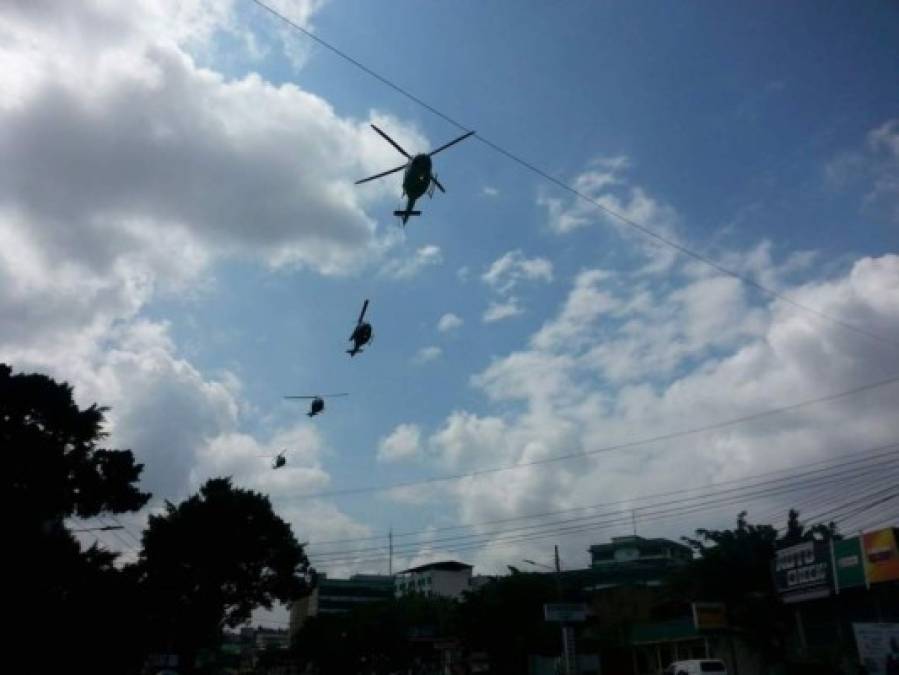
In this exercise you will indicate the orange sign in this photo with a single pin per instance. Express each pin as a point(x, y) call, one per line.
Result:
point(881, 555)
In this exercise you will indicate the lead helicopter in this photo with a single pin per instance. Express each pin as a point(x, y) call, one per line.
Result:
point(362, 334)
point(318, 402)
point(418, 178)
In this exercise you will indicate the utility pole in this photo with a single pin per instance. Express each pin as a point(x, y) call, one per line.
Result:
point(634, 520)
point(390, 552)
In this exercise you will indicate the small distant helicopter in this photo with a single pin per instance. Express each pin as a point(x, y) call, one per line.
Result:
point(417, 178)
point(318, 402)
point(361, 333)
point(278, 460)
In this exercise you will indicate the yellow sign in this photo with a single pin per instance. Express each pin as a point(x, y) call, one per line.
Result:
point(881, 555)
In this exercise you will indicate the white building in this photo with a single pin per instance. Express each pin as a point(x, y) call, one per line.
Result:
point(448, 579)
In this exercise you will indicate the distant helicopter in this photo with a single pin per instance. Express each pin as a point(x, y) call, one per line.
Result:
point(278, 460)
point(361, 333)
point(318, 402)
point(418, 178)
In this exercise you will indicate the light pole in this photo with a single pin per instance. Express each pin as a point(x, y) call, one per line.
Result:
point(569, 663)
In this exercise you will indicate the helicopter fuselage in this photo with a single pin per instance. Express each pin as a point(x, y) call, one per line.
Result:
point(417, 178)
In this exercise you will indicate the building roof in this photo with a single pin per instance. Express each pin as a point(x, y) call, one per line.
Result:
point(445, 565)
point(640, 543)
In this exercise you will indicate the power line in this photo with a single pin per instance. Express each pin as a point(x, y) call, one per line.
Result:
point(602, 450)
point(832, 462)
point(650, 513)
point(639, 227)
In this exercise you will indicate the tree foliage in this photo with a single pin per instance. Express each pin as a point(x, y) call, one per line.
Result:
point(210, 561)
point(54, 469)
point(734, 567)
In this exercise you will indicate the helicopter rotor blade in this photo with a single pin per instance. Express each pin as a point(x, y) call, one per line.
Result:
point(333, 395)
point(392, 142)
point(453, 142)
point(295, 397)
point(437, 183)
point(362, 313)
point(382, 174)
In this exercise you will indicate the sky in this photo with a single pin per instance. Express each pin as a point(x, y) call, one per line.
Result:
point(181, 239)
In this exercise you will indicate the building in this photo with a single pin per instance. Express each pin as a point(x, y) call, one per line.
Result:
point(639, 552)
point(338, 596)
point(447, 579)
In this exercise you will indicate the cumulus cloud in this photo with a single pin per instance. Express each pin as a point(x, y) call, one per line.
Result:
point(449, 322)
point(404, 442)
point(128, 171)
point(605, 183)
point(624, 359)
point(497, 311)
point(426, 355)
point(411, 266)
point(513, 267)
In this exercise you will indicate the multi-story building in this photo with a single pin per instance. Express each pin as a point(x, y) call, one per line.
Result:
point(637, 551)
point(338, 596)
point(448, 579)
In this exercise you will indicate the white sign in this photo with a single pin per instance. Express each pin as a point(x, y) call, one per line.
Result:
point(878, 647)
point(565, 612)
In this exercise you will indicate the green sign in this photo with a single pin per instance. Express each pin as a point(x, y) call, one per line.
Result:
point(849, 563)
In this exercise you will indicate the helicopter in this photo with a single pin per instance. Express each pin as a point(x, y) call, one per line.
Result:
point(278, 460)
point(417, 179)
point(361, 333)
point(318, 402)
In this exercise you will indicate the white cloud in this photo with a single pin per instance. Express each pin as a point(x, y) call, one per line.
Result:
point(426, 355)
point(625, 359)
point(406, 268)
point(508, 270)
point(128, 172)
point(404, 442)
point(449, 322)
point(497, 311)
point(872, 168)
point(605, 185)
point(490, 191)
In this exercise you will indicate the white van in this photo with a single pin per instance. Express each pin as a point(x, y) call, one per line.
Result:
point(697, 667)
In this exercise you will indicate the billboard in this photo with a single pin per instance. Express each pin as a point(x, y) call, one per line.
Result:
point(878, 647)
point(802, 572)
point(881, 556)
point(849, 563)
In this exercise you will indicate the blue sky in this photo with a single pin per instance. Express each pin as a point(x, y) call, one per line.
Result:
point(730, 114)
point(764, 136)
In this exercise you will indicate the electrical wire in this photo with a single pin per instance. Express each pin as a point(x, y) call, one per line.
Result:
point(832, 463)
point(610, 448)
point(715, 502)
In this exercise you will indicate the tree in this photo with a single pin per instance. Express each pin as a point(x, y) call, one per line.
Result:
point(734, 567)
point(210, 561)
point(54, 469)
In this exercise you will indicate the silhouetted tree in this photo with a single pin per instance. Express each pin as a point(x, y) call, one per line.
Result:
point(54, 469)
point(734, 567)
point(380, 638)
point(505, 619)
point(210, 561)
